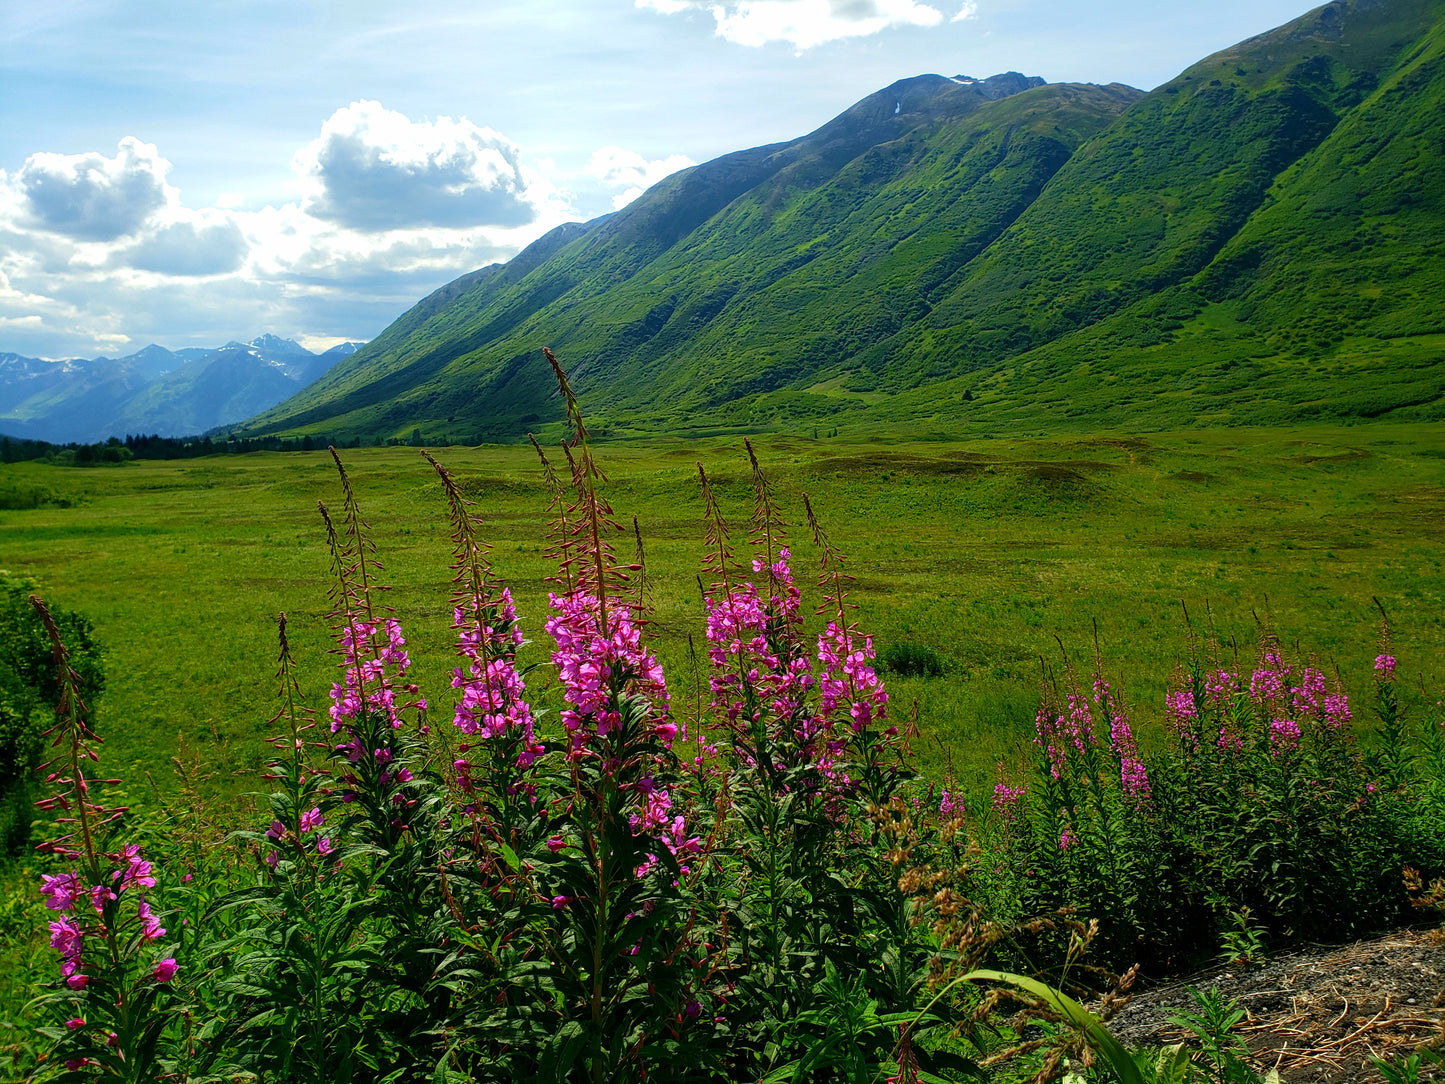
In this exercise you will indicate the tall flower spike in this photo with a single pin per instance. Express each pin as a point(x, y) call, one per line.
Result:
point(847, 681)
point(374, 662)
point(718, 558)
point(357, 548)
point(559, 529)
point(643, 600)
point(74, 736)
point(597, 573)
point(492, 704)
point(765, 527)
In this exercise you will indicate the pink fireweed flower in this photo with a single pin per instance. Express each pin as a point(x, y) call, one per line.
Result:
point(137, 872)
point(61, 892)
point(66, 938)
point(1385, 667)
point(1067, 838)
point(492, 704)
point(757, 659)
point(1132, 777)
point(946, 806)
point(654, 813)
point(165, 970)
point(1337, 710)
point(311, 819)
point(374, 666)
point(559, 902)
point(677, 840)
point(598, 667)
point(151, 928)
point(1284, 735)
point(1183, 716)
point(1008, 800)
point(276, 831)
point(1062, 734)
point(847, 678)
point(323, 845)
point(555, 844)
point(75, 1022)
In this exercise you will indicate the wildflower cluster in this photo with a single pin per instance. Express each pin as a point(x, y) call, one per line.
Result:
point(1264, 762)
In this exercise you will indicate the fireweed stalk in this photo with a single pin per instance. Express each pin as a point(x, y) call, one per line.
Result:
point(492, 715)
point(623, 851)
point(852, 700)
point(114, 977)
point(366, 704)
point(760, 677)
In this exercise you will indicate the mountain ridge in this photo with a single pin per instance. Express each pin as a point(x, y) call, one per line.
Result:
point(154, 390)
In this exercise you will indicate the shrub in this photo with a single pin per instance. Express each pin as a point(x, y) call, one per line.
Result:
point(911, 659)
point(1271, 801)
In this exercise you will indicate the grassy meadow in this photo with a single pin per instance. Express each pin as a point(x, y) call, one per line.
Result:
point(983, 551)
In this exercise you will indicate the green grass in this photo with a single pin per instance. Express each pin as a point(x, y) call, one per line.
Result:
point(981, 551)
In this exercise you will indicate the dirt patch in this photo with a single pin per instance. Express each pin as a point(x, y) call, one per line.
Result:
point(1317, 1015)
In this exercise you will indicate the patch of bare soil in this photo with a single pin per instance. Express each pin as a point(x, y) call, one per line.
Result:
point(1319, 1014)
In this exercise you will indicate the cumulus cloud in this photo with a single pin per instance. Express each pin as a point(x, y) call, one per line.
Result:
point(99, 250)
point(205, 242)
point(801, 23)
point(90, 197)
point(375, 169)
point(617, 167)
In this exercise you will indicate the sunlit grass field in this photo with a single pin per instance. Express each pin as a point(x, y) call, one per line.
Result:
point(983, 551)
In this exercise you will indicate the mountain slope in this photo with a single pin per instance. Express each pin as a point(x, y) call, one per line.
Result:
point(1250, 241)
point(724, 248)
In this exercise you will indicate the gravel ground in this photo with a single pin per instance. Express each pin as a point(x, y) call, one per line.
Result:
point(1319, 1014)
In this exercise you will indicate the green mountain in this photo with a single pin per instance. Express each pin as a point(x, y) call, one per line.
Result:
point(1260, 239)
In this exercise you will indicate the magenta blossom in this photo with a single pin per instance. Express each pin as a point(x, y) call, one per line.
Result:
point(151, 928)
point(165, 970)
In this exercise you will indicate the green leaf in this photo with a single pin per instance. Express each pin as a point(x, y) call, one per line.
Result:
point(1085, 1022)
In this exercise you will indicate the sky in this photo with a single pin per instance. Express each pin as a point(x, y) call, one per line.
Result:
point(192, 173)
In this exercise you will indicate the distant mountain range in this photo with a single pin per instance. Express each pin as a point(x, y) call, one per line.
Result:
point(155, 390)
point(1261, 239)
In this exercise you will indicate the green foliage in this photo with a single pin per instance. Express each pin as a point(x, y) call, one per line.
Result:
point(906, 657)
point(1272, 815)
point(28, 698)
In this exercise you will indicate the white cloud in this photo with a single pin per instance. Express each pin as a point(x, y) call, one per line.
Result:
point(374, 169)
point(966, 11)
point(802, 23)
point(98, 249)
point(90, 197)
point(617, 167)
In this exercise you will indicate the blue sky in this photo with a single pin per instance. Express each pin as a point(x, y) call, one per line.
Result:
point(189, 173)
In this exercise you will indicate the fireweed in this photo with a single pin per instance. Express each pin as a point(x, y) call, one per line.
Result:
point(1264, 798)
point(604, 878)
point(115, 972)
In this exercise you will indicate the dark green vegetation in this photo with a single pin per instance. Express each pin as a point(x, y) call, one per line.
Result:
point(28, 696)
point(1257, 241)
point(979, 552)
